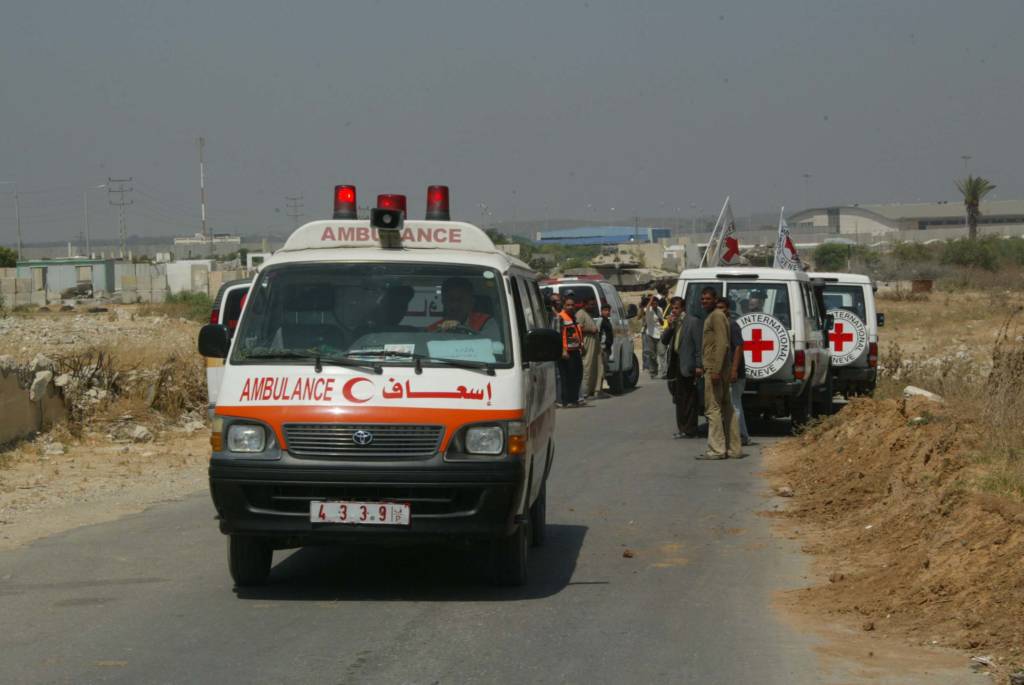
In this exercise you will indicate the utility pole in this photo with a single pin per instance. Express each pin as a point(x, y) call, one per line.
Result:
point(17, 219)
point(294, 208)
point(120, 203)
point(202, 190)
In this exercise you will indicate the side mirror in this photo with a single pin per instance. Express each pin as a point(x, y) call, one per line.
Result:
point(543, 345)
point(214, 340)
point(631, 311)
point(830, 321)
point(881, 319)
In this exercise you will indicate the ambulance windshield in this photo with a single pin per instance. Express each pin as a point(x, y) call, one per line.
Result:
point(396, 312)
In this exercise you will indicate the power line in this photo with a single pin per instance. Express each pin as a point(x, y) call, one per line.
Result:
point(294, 205)
point(120, 190)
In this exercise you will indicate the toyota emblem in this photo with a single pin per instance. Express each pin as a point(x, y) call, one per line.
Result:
point(362, 438)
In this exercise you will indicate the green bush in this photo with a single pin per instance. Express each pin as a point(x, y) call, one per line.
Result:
point(912, 252)
point(831, 257)
point(195, 306)
point(8, 258)
point(979, 253)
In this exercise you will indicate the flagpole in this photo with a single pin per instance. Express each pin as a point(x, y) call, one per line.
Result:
point(778, 240)
point(714, 232)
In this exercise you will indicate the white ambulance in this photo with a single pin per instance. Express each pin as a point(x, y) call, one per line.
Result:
point(850, 299)
point(389, 381)
point(784, 328)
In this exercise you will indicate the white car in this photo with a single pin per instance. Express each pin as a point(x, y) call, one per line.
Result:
point(593, 292)
point(784, 337)
point(853, 337)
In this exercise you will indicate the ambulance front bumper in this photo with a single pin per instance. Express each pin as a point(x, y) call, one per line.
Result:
point(465, 500)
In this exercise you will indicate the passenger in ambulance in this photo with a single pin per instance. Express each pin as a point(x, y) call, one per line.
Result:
point(460, 315)
point(392, 306)
point(308, 320)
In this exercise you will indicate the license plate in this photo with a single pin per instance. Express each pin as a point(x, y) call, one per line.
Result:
point(365, 513)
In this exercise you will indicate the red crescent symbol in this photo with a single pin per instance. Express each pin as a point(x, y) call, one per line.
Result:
point(347, 390)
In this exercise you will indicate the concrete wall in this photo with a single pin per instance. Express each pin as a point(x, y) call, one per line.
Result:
point(151, 248)
point(21, 415)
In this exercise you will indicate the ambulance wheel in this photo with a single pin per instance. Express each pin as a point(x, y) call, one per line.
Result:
point(249, 560)
point(633, 375)
point(508, 558)
point(539, 518)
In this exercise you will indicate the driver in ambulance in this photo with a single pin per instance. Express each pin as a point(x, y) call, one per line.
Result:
point(457, 300)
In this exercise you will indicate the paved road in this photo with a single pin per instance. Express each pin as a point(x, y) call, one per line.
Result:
point(147, 599)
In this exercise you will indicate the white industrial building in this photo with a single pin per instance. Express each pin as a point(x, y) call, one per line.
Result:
point(936, 219)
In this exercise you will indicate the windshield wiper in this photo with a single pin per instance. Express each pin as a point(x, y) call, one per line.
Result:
point(420, 358)
point(317, 359)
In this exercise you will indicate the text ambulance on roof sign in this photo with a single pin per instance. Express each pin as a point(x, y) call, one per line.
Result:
point(415, 234)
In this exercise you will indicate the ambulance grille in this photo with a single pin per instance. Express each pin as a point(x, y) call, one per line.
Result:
point(343, 441)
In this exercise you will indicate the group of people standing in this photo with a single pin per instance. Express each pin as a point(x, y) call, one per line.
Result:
point(586, 347)
point(704, 365)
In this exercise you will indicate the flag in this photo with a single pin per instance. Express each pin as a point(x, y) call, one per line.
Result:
point(786, 256)
point(723, 246)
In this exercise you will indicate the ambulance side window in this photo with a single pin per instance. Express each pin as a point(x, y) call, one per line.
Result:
point(517, 299)
point(540, 314)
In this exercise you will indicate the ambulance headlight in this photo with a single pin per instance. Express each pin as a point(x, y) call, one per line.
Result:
point(247, 438)
point(488, 440)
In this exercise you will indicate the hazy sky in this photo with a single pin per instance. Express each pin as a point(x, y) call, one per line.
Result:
point(534, 108)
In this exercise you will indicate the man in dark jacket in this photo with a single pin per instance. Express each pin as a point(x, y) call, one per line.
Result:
point(738, 378)
point(683, 340)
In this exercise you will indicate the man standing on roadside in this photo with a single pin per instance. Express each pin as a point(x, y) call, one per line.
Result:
point(607, 336)
point(682, 338)
point(663, 305)
point(738, 375)
point(571, 366)
point(708, 298)
point(653, 318)
point(591, 350)
point(723, 427)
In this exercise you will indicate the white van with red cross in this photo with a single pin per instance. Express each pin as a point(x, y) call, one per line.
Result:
point(850, 299)
point(389, 382)
point(783, 323)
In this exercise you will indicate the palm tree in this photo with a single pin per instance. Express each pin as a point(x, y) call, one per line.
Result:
point(974, 189)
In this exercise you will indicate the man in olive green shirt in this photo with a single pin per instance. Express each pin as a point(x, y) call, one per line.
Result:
point(723, 424)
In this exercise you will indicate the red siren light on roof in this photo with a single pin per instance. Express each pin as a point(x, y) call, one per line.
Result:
point(345, 202)
point(392, 201)
point(437, 204)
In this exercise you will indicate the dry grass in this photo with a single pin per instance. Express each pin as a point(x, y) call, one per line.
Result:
point(126, 379)
point(978, 387)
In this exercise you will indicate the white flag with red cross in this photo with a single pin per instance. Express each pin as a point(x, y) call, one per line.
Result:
point(786, 256)
point(723, 247)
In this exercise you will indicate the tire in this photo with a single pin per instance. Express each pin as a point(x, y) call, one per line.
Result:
point(615, 383)
point(823, 401)
point(509, 556)
point(800, 413)
point(249, 560)
point(632, 377)
point(539, 518)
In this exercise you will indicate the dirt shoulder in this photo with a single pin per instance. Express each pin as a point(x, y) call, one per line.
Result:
point(95, 480)
point(884, 495)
